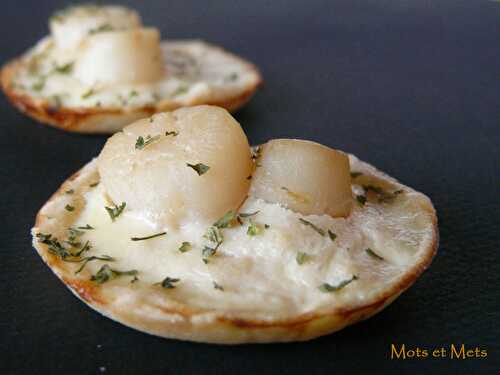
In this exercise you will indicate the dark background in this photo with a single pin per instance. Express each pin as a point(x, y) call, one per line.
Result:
point(410, 86)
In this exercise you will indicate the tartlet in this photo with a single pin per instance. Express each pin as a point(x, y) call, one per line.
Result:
point(181, 230)
point(100, 69)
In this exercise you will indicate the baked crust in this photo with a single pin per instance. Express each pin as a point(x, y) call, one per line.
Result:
point(180, 321)
point(101, 120)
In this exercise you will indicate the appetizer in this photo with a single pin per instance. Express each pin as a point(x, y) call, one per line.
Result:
point(181, 229)
point(100, 69)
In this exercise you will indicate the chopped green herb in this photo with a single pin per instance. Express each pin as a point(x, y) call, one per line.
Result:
point(208, 252)
point(69, 208)
point(245, 215)
point(134, 279)
point(328, 288)
point(356, 174)
point(141, 142)
point(53, 245)
point(173, 133)
point(70, 191)
point(373, 254)
point(84, 248)
point(148, 237)
point(133, 93)
point(168, 282)
point(301, 258)
point(332, 235)
point(94, 184)
point(253, 229)
point(101, 29)
point(308, 223)
point(106, 273)
point(199, 168)
point(226, 220)
point(86, 227)
point(65, 68)
point(88, 93)
point(73, 234)
point(185, 246)
point(361, 199)
point(182, 89)
point(213, 234)
point(38, 86)
point(91, 258)
point(217, 286)
point(267, 226)
point(115, 211)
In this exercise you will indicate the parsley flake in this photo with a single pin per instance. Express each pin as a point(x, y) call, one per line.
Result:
point(332, 235)
point(217, 286)
point(91, 258)
point(208, 252)
point(168, 282)
point(308, 223)
point(101, 29)
point(199, 168)
point(328, 288)
point(301, 258)
point(373, 254)
point(140, 143)
point(69, 208)
point(115, 211)
point(65, 68)
point(254, 229)
point(86, 227)
point(148, 237)
point(185, 246)
point(88, 93)
point(106, 273)
point(361, 199)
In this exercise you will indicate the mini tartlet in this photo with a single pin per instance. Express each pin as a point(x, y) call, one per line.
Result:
point(100, 69)
point(180, 229)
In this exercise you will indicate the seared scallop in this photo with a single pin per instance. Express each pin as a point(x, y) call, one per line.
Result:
point(304, 176)
point(188, 165)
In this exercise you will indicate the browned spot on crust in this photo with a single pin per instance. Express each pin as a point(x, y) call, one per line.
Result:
point(88, 291)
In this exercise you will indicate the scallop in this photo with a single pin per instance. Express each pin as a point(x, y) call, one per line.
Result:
point(190, 165)
point(127, 56)
point(303, 176)
point(70, 26)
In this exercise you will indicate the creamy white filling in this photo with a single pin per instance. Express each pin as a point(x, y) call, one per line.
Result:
point(260, 273)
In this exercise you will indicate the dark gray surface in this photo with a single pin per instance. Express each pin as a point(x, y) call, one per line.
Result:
point(410, 86)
